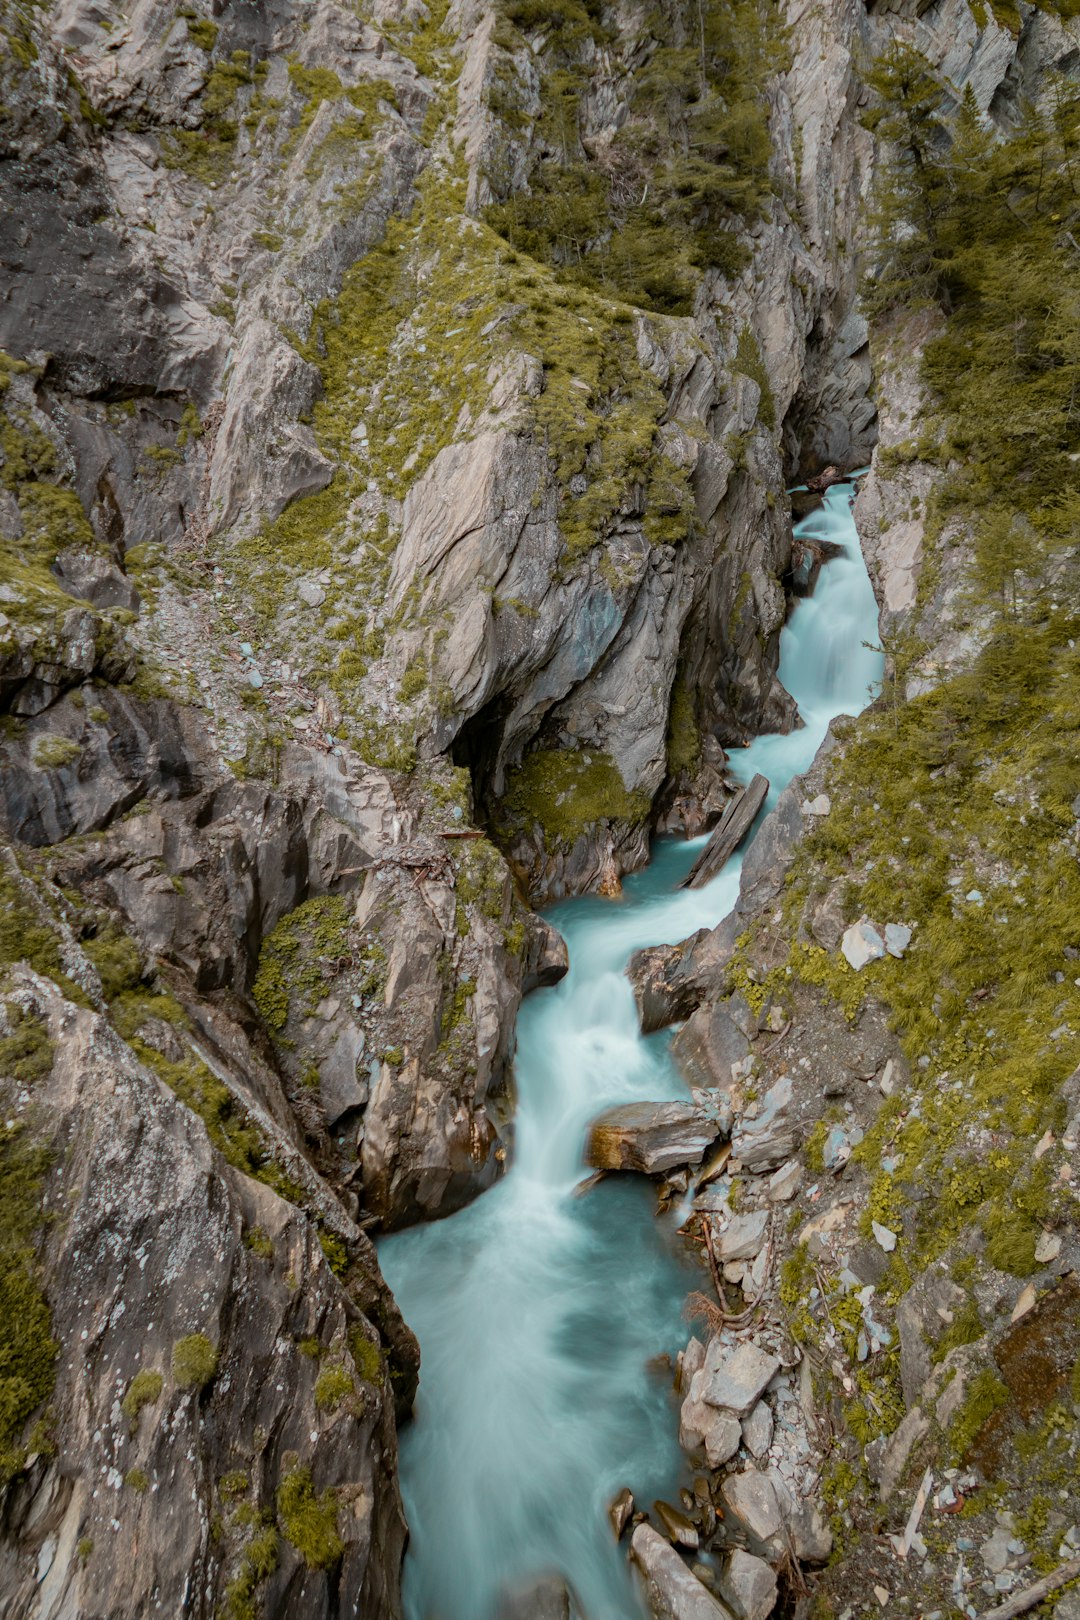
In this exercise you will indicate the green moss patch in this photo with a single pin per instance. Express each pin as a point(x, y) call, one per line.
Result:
point(145, 1388)
point(308, 1520)
point(300, 957)
point(567, 793)
point(194, 1361)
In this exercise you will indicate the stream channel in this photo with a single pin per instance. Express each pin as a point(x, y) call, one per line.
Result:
point(537, 1310)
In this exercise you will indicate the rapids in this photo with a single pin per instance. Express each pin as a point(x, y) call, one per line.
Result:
point(538, 1311)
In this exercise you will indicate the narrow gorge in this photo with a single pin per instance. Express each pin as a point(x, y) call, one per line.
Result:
point(462, 467)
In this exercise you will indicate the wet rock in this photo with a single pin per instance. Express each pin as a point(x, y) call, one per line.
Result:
point(677, 1527)
point(744, 1236)
point(652, 1137)
point(671, 1590)
point(549, 1598)
point(751, 1585)
point(768, 1139)
point(735, 1379)
point(708, 1044)
point(621, 1511)
point(862, 944)
point(666, 987)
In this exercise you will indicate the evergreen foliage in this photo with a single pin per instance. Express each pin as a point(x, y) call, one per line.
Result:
point(985, 227)
point(642, 218)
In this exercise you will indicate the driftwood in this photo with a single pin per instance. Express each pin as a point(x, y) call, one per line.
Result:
point(732, 828)
point(1027, 1599)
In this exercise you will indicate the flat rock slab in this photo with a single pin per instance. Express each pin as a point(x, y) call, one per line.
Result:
point(671, 1591)
point(744, 1236)
point(733, 827)
point(652, 1137)
point(736, 1379)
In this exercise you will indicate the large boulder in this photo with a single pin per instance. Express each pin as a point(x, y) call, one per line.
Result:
point(672, 1592)
point(654, 1137)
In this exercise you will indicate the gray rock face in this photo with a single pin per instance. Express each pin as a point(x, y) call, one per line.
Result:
point(145, 1196)
point(707, 1045)
point(671, 1591)
point(652, 1137)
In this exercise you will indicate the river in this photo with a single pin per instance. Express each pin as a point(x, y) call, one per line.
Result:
point(538, 1310)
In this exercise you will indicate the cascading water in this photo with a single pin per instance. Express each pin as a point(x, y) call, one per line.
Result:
point(538, 1310)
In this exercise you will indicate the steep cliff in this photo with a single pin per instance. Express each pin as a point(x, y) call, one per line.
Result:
point(396, 406)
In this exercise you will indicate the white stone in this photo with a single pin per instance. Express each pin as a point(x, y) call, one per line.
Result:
point(819, 806)
point(1048, 1248)
point(884, 1237)
point(862, 944)
point(897, 938)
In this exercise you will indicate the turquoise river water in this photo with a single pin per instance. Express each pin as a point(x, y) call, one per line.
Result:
point(537, 1310)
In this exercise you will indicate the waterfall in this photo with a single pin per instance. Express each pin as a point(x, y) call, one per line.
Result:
point(538, 1310)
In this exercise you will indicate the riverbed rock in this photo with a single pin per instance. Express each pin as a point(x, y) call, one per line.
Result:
point(548, 1598)
point(753, 1500)
point(671, 1590)
point(652, 1138)
point(621, 1511)
point(677, 1527)
point(735, 1379)
point(751, 1584)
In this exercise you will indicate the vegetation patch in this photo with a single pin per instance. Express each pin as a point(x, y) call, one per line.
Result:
point(687, 169)
point(308, 1520)
point(27, 1349)
point(26, 1052)
point(300, 957)
point(145, 1388)
point(566, 793)
point(194, 1361)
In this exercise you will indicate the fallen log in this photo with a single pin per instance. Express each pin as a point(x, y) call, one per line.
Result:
point(1023, 1601)
point(729, 833)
